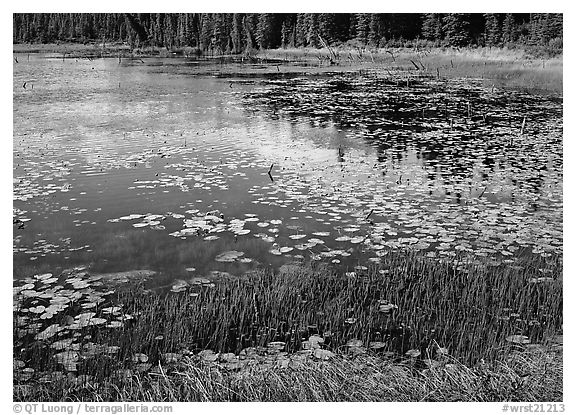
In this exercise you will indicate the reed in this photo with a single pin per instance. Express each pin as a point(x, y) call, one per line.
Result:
point(465, 308)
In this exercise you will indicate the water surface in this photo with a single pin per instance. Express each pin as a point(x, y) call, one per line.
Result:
point(170, 164)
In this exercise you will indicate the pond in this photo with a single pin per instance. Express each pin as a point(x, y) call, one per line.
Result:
point(189, 168)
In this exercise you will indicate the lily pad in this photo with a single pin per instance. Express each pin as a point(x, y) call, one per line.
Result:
point(323, 354)
point(354, 343)
point(179, 286)
point(171, 357)
point(140, 358)
point(229, 256)
point(49, 332)
point(68, 359)
point(413, 353)
point(377, 345)
point(518, 339)
point(384, 306)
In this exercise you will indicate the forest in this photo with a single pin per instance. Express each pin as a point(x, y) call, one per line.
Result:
point(238, 32)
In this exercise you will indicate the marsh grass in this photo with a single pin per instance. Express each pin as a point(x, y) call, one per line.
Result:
point(534, 375)
point(496, 66)
point(467, 309)
point(461, 309)
point(515, 68)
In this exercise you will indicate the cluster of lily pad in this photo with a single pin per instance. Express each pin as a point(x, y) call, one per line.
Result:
point(66, 324)
point(381, 162)
point(57, 312)
point(431, 185)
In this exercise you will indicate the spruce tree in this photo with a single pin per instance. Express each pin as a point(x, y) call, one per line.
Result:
point(362, 27)
point(327, 26)
point(301, 32)
point(287, 34)
point(551, 27)
point(492, 31)
point(312, 30)
point(352, 24)
point(237, 33)
point(508, 29)
point(264, 30)
point(250, 28)
point(375, 29)
point(219, 37)
point(536, 28)
point(206, 30)
point(432, 26)
point(456, 27)
point(188, 39)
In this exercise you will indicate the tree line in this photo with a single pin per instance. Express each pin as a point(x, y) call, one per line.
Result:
point(238, 32)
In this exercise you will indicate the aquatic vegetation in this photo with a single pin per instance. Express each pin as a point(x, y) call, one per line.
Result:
point(229, 256)
point(417, 309)
point(393, 161)
point(402, 218)
point(179, 286)
point(518, 339)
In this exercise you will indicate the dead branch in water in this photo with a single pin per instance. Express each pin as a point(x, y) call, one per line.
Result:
point(270, 172)
point(370, 214)
point(333, 57)
point(416, 66)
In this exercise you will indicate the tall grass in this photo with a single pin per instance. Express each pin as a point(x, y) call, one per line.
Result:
point(533, 376)
point(500, 66)
point(469, 309)
point(466, 309)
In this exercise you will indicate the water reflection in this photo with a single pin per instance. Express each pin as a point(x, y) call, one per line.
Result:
point(361, 165)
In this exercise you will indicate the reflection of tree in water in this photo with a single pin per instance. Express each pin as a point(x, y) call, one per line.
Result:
point(451, 126)
point(449, 161)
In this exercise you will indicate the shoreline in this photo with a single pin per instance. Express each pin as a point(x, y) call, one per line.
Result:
point(500, 67)
point(247, 331)
point(304, 378)
point(409, 329)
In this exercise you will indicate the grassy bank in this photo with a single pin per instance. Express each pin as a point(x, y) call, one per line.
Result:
point(501, 67)
point(412, 329)
point(76, 49)
point(513, 68)
point(530, 376)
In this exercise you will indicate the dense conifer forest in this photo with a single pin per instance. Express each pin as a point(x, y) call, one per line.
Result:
point(238, 32)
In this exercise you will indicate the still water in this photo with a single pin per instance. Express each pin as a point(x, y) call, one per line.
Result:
point(183, 168)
